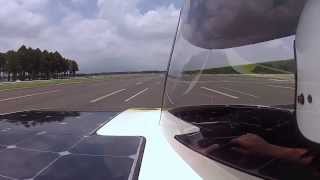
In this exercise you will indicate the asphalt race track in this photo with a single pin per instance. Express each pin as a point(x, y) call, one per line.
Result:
point(264, 90)
point(114, 94)
point(145, 91)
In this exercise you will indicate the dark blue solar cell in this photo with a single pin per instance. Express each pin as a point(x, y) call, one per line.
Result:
point(108, 146)
point(22, 164)
point(88, 167)
point(50, 142)
point(14, 136)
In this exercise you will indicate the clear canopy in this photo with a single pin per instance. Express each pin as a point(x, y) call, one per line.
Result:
point(232, 82)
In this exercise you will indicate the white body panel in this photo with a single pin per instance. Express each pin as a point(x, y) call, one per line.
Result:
point(160, 160)
point(308, 62)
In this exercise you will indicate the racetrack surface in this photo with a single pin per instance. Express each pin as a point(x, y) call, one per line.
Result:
point(145, 91)
point(263, 90)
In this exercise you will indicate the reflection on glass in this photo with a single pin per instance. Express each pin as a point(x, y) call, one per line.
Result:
point(36, 118)
point(230, 92)
point(251, 75)
point(220, 24)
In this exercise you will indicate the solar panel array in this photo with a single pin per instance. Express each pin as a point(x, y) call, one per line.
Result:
point(64, 145)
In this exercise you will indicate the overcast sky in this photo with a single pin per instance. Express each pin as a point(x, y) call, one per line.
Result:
point(102, 35)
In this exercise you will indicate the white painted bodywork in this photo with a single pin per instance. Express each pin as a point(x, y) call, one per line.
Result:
point(160, 161)
point(164, 157)
point(308, 61)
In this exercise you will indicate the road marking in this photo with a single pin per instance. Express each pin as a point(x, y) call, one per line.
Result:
point(29, 95)
point(240, 92)
point(66, 83)
point(22, 88)
point(130, 98)
point(221, 93)
point(3, 90)
point(169, 98)
point(284, 87)
point(279, 80)
point(106, 96)
point(139, 83)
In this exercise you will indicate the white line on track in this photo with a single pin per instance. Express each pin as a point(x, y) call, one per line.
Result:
point(139, 83)
point(132, 97)
point(169, 98)
point(280, 80)
point(106, 96)
point(221, 93)
point(284, 87)
point(240, 92)
point(3, 90)
point(29, 95)
point(59, 84)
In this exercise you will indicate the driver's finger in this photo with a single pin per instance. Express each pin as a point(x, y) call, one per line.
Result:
point(240, 150)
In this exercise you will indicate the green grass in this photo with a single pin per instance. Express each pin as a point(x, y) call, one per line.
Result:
point(275, 67)
point(10, 86)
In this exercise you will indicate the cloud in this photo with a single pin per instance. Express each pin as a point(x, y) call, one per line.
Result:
point(17, 20)
point(33, 4)
point(119, 37)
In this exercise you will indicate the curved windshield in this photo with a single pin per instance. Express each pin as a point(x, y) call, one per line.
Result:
point(231, 87)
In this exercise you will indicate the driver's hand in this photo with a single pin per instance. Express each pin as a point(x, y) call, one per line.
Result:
point(251, 144)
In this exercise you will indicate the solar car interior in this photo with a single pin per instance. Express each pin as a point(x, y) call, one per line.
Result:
point(236, 61)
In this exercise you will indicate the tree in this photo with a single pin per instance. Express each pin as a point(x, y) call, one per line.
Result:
point(73, 67)
point(2, 65)
point(23, 61)
point(44, 66)
point(58, 64)
point(35, 64)
point(65, 68)
point(13, 65)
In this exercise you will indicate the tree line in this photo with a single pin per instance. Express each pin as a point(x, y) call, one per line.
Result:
point(33, 64)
